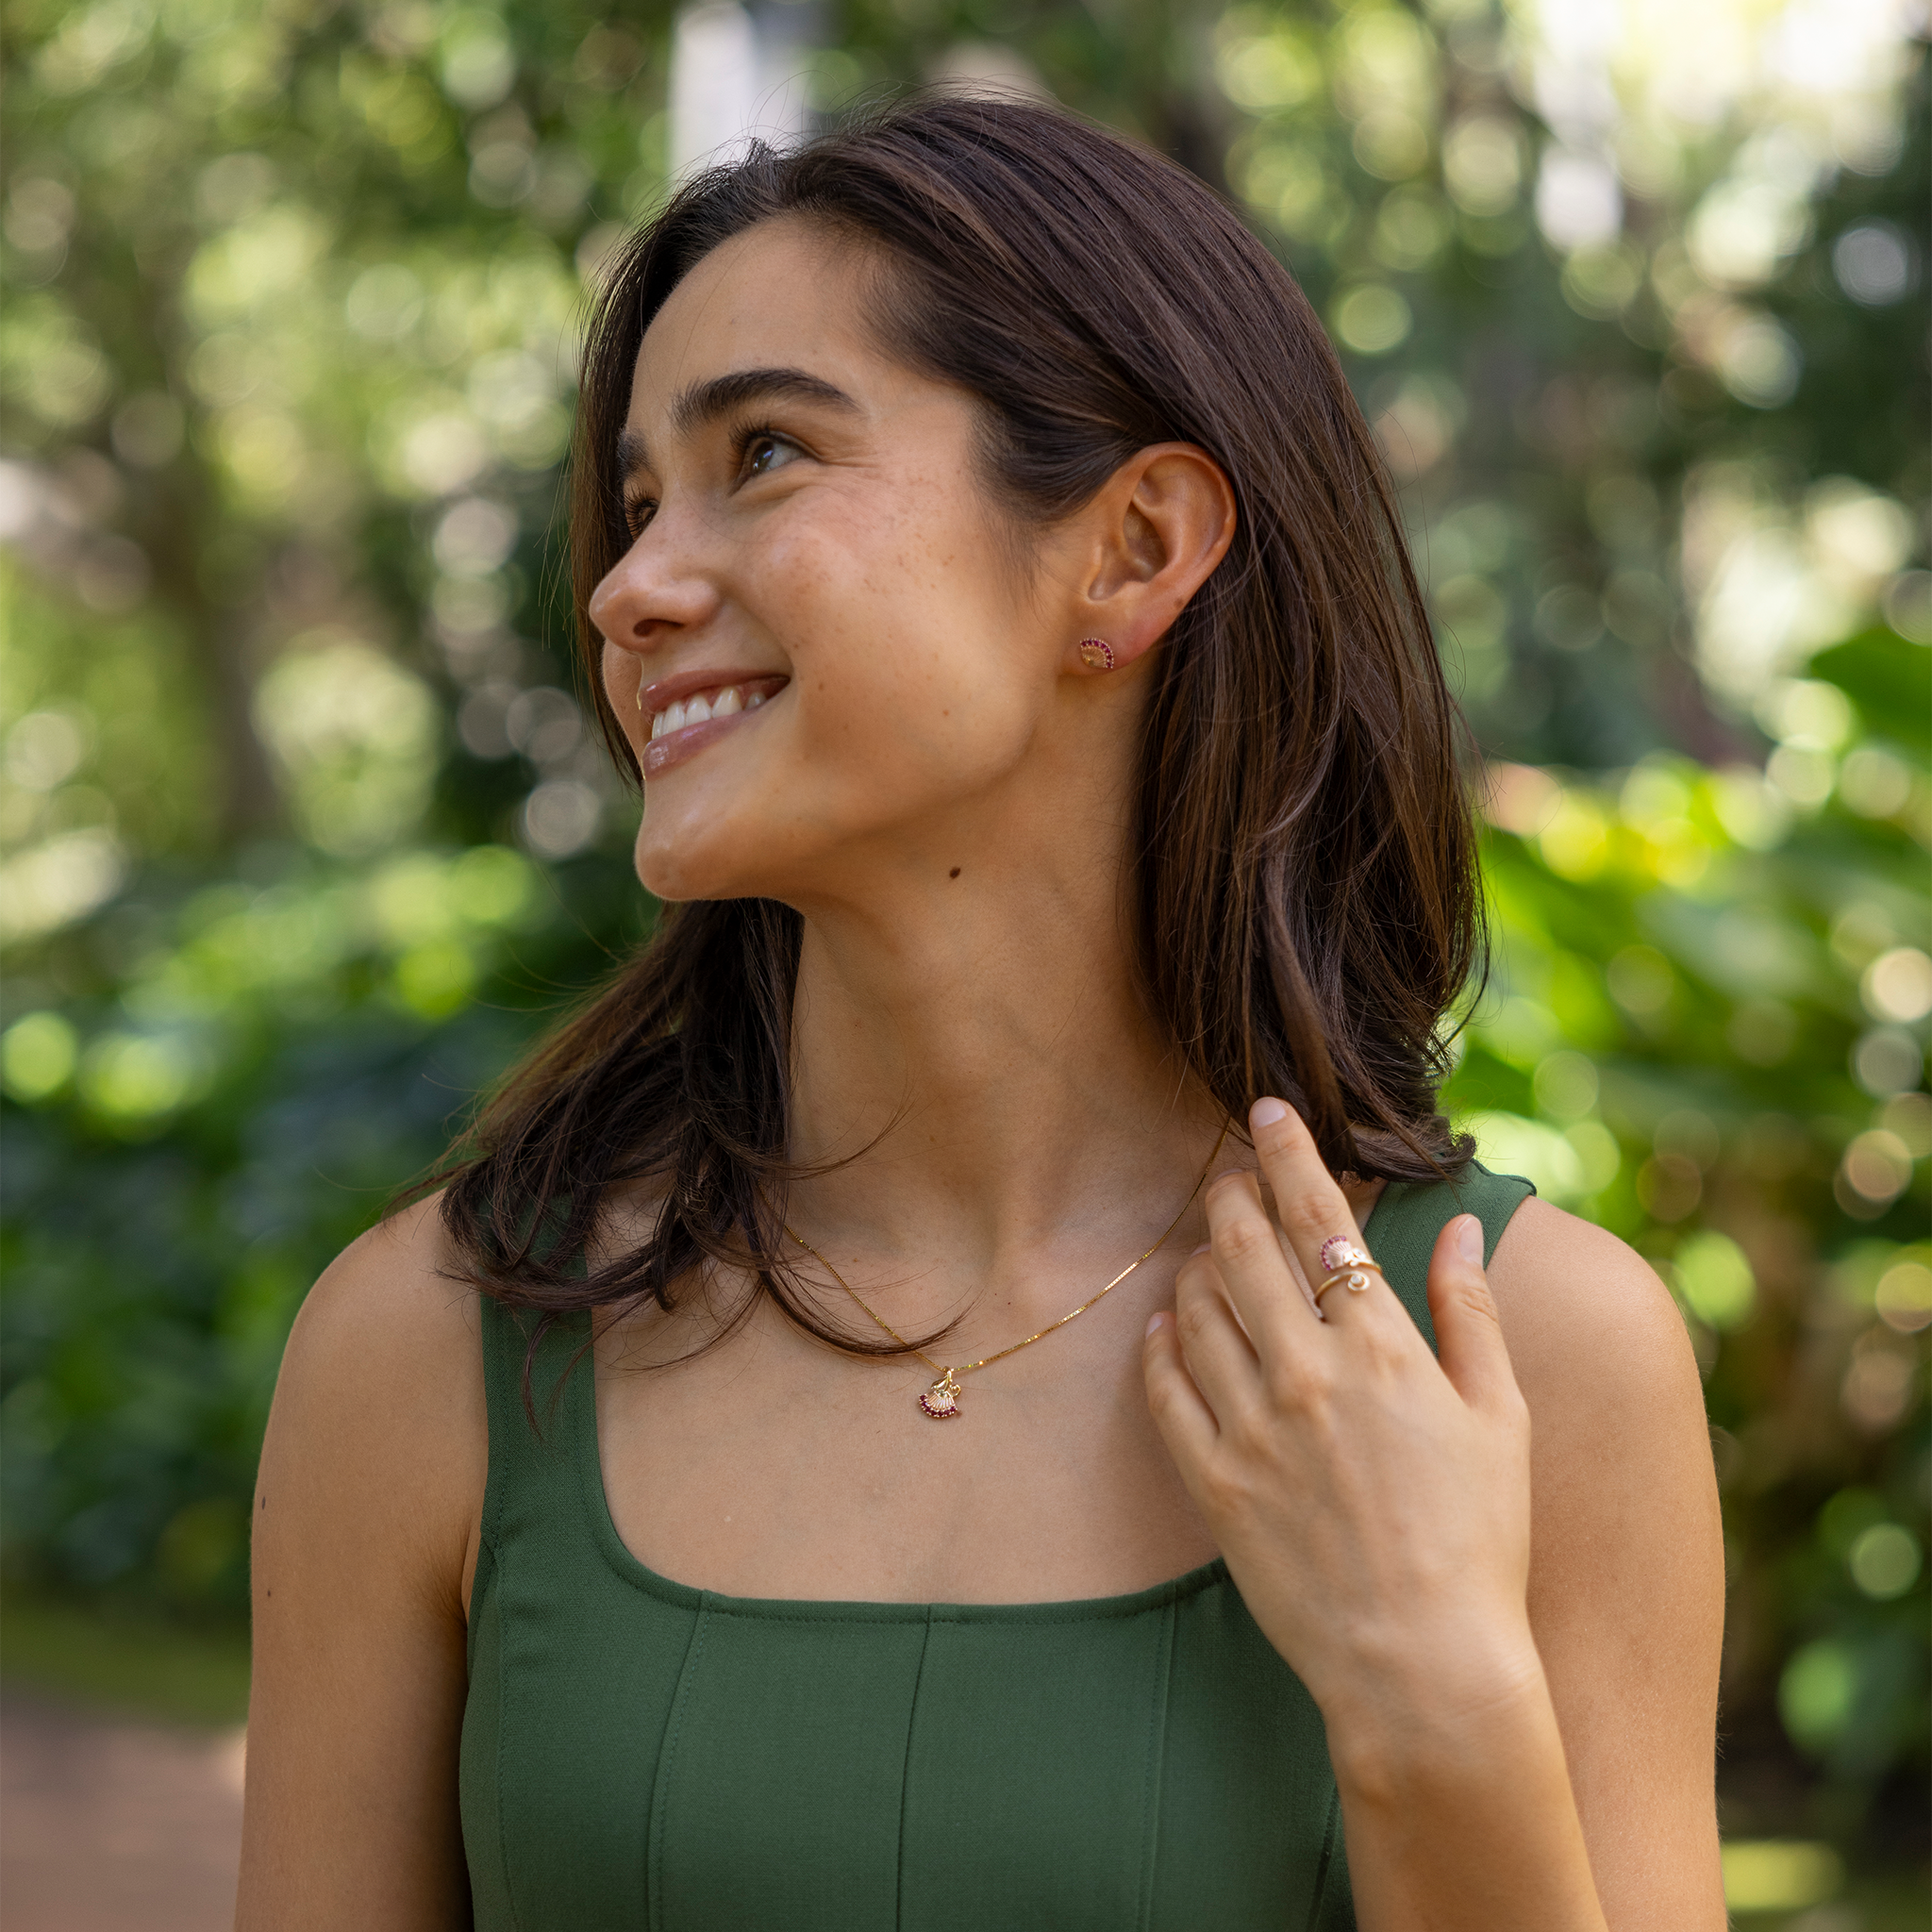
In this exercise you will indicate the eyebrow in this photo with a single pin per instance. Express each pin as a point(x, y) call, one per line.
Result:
point(704, 402)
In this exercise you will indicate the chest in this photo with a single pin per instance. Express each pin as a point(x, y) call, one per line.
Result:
point(768, 1466)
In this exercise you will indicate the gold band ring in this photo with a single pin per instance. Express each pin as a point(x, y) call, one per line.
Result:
point(1356, 1278)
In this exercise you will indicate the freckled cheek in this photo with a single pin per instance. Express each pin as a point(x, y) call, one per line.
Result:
point(799, 580)
point(899, 634)
point(891, 548)
point(848, 620)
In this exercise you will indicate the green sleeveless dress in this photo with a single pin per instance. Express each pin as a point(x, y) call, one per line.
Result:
point(640, 1754)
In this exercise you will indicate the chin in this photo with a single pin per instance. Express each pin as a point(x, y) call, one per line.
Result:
point(668, 875)
point(677, 868)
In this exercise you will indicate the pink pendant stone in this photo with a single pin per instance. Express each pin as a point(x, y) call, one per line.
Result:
point(941, 1401)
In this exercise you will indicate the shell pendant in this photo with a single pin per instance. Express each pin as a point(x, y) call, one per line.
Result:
point(941, 1401)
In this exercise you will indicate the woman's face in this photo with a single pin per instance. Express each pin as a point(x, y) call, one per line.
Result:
point(841, 663)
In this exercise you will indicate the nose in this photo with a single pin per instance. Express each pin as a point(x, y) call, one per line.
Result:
point(653, 593)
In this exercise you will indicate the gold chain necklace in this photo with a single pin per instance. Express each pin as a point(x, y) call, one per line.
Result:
point(941, 1401)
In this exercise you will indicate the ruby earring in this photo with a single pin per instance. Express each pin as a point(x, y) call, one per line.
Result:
point(1096, 653)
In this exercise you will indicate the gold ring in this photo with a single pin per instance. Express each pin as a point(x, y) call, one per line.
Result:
point(1355, 1280)
point(1338, 1253)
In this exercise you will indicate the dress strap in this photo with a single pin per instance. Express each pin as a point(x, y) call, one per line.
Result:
point(535, 1482)
point(1407, 1220)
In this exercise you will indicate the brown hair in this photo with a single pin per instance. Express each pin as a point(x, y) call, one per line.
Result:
point(1306, 892)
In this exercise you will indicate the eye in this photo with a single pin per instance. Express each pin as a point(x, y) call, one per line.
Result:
point(637, 511)
point(761, 451)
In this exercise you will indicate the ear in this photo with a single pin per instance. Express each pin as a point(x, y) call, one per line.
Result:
point(1145, 544)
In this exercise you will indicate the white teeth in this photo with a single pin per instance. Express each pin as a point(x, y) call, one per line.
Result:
point(725, 703)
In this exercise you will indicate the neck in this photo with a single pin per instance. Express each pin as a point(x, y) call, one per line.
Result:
point(979, 1045)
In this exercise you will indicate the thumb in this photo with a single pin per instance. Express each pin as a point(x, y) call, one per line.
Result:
point(1469, 1334)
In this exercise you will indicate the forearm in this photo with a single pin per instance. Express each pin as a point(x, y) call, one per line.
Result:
point(1463, 1820)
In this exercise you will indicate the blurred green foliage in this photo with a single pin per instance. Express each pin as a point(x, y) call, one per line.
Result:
point(127, 1666)
point(302, 834)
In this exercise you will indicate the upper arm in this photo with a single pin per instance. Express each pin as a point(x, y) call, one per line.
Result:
point(366, 1515)
point(1626, 1559)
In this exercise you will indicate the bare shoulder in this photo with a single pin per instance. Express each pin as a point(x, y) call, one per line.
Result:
point(1593, 1335)
point(1626, 1582)
point(1621, 1461)
point(388, 1338)
point(397, 1273)
point(366, 1518)
point(1626, 1568)
point(379, 1407)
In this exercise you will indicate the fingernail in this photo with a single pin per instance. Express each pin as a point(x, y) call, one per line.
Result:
point(1155, 1320)
point(1202, 1249)
point(1468, 1240)
point(1264, 1113)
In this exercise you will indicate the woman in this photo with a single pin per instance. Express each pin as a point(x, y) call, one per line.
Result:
point(710, 1512)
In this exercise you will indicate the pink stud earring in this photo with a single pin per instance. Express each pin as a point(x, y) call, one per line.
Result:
point(1096, 653)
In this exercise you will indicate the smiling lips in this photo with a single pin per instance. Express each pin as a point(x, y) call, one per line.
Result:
point(722, 704)
point(691, 709)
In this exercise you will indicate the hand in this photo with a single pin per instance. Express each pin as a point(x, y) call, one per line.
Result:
point(1373, 1504)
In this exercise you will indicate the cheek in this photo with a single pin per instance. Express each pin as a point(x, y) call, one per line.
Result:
point(901, 616)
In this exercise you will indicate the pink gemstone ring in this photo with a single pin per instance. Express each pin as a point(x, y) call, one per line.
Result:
point(1338, 1251)
point(1345, 1263)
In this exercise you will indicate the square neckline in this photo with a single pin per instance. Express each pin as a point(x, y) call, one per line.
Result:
point(631, 1568)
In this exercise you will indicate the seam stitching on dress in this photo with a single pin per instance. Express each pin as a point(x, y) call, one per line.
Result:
point(1156, 1749)
point(906, 1777)
point(502, 1727)
point(497, 1478)
point(667, 1754)
point(1327, 1858)
point(497, 1473)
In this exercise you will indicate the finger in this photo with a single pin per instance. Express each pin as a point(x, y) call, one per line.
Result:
point(1186, 1422)
point(1251, 1269)
point(1217, 1354)
point(1469, 1335)
point(1312, 1207)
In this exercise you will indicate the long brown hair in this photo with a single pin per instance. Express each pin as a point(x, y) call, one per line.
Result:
point(1305, 887)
